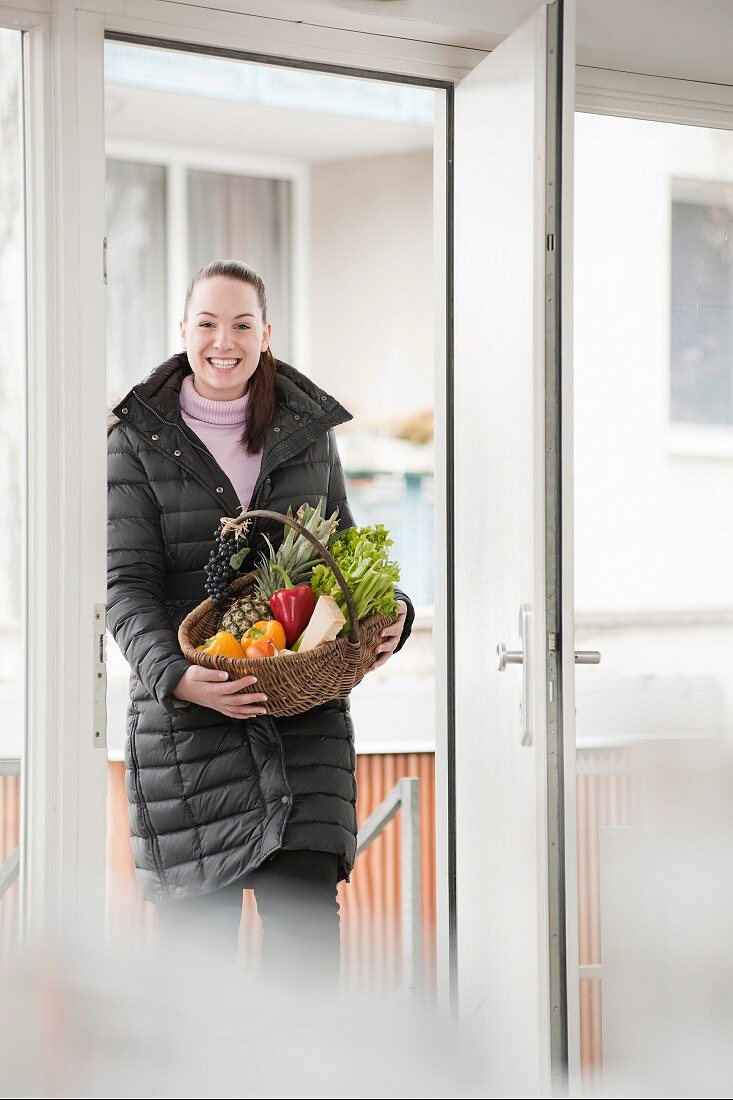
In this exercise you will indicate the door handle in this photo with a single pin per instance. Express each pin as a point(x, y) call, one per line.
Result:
point(587, 657)
point(506, 657)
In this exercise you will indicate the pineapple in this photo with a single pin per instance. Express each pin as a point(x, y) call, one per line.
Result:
point(296, 557)
point(243, 614)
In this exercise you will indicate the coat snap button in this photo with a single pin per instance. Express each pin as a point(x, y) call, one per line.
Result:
point(296, 417)
point(156, 437)
point(268, 480)
point(324, 398)
point(285, 798)
point(277, 429)
point(219, 489)
point(177, 454)
point(123, 410)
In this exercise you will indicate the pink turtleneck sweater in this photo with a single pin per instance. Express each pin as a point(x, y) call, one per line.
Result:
point(219, 425)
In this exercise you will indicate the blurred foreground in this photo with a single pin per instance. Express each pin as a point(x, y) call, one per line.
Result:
point(194, 1019)
point(77, 1022)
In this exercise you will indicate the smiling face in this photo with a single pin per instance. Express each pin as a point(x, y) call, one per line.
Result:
point(224, 336)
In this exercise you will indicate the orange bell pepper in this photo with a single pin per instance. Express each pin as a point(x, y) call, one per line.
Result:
point(224, 644)
point(273, 630)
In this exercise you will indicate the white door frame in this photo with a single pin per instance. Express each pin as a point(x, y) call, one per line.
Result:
point(64, 791)
point(64, 819)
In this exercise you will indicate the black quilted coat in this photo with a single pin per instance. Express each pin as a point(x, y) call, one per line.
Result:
point(210, 797)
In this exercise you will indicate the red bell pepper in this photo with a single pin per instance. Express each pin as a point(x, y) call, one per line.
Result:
point(292, 606)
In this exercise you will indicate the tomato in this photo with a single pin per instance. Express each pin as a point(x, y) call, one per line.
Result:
point(273, 630)
point(260, 647)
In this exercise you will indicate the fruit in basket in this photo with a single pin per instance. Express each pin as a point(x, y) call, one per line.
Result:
point(243, 614)
point(223, 644)
point(218, 568)
point(259, 647)
point(295, 555)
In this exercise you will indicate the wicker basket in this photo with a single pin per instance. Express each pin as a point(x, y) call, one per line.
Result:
point(296, 682)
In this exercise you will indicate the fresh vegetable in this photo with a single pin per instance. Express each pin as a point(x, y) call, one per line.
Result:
point(223, 644)
point(292, 606)
point(273, 630)
point(296, 555)
point(260, 647)
point(324, 625)
point(361, 555)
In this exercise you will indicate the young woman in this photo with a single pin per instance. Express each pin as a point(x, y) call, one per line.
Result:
point(221, 794)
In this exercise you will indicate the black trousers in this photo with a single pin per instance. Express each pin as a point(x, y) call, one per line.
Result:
point(295, 893)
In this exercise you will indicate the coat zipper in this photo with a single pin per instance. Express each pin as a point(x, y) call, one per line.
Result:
point(184, 432)
point(264, 472)
point(174, 424)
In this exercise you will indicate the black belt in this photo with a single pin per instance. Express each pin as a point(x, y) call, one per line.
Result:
point(185, 586)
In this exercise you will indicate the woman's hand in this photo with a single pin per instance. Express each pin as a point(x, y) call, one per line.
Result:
point(390, 637)
point(209, 687)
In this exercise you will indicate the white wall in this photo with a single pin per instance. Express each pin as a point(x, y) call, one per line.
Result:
point(653, 527)
point(372, 282)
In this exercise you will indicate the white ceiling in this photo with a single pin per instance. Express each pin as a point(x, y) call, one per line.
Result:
point(139, 114)
point(692, 39)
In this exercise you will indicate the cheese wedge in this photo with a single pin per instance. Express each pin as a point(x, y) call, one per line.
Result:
point(324, 625)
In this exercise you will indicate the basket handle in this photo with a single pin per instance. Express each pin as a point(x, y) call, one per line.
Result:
point(353, 634)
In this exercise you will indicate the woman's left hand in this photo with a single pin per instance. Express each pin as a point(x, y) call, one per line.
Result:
point(389, 638)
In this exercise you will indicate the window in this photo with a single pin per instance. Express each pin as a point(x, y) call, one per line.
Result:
point(161, 210)
point(136, 272)
point(702, 303)
point(245, 218)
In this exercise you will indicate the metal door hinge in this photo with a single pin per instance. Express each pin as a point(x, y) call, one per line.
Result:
point(99, 691)
point(104, 259)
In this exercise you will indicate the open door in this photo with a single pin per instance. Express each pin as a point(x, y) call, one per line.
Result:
point(513, 135)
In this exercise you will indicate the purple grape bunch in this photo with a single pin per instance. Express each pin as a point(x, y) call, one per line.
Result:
point(218, 568)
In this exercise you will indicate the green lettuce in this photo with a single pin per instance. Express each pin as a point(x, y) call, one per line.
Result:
point(362, 556)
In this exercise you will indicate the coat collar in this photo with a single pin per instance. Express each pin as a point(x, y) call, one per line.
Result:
point(294, 392)
point(299, 402)
point(303, 411)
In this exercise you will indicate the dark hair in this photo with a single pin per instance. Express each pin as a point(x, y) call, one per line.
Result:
point(261, 389)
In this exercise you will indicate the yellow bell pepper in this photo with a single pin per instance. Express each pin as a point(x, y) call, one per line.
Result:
point(224, 644)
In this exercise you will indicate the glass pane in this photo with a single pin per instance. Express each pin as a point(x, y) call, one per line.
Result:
point(403, 502)
point(13, 499)
point(136, 272)
point(654, 594)
point(702, 307)
point(249, 219)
